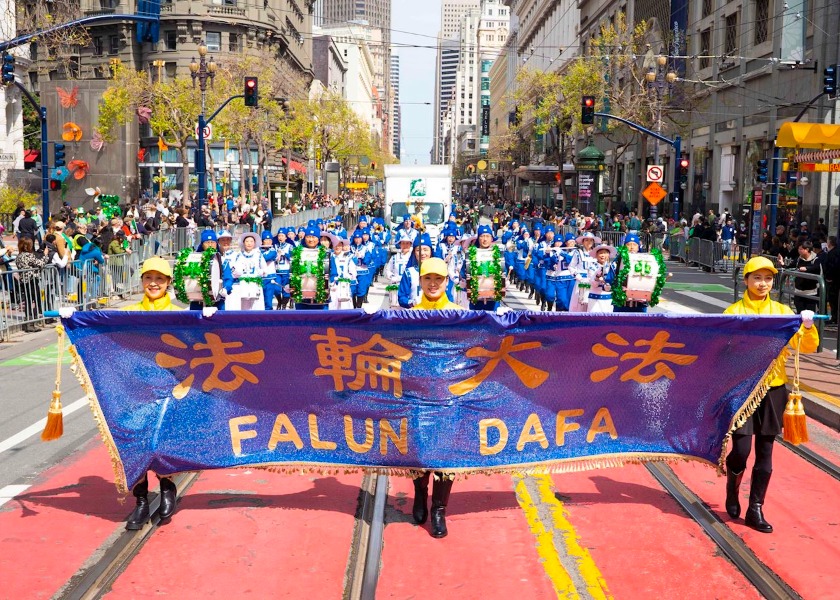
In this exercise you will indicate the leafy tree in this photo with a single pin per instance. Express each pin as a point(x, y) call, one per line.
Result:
point(31, 126)
point(12, 196)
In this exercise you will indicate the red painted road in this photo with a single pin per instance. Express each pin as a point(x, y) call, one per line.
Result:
point(49, 531)
point(643, 543)
point(488, 554)
point(250, 534)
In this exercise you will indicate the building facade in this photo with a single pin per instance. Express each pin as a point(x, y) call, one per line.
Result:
point(394, 107)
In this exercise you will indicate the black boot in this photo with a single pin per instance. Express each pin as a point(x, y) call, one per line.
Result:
point(733, 484)
point(140, 514)
point(531, 292)
point(440, 498)
point(542, 306)
point(521, 286)
point(420, 510)
point(167, 498)
point(758, 490)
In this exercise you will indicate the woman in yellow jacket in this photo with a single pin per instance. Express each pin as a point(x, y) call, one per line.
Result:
point(433, 280)
point(766, 422)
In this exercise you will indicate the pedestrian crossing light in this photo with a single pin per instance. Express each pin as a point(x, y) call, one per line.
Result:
point(761, 170)
point(55, 185)
point(58, 156)
point(8, 68)
point(251, 91)
point(587, 110)
point(829, 81)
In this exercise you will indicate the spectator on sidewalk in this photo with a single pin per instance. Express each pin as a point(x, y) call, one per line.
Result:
point(806, 263)
point(29, 266)
point(831, 272)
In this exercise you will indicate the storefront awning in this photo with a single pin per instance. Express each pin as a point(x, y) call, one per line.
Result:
point(296, 166)
point(808, 135)
point(31, 156)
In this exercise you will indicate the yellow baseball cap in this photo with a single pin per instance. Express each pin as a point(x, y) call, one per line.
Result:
point(156, 263)
point(756, 263)
point(434, 265)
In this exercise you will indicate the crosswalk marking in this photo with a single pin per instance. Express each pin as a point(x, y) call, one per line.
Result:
point(10, 491)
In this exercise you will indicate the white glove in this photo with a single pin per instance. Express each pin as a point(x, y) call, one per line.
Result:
point(287, 289)
point(503, 309)
point(807, 318)
point(65, 312)
point(208, 311)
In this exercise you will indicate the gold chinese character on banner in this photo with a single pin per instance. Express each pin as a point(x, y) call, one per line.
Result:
point(376, 363)
point(654, 357)
point(532, 377)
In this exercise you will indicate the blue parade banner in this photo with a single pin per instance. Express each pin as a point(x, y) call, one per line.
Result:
point(399, 391)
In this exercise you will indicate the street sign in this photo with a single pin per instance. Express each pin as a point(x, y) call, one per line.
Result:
point(655, 173)
point(654, 193)
point(208, 132)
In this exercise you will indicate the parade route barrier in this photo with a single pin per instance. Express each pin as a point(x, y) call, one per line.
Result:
point(402, 391)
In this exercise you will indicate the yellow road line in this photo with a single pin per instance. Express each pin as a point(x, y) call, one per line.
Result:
point(821, 395)
point(584, 567)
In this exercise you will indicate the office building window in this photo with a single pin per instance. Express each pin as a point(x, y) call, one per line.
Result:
point(762, 17)
point(171, 40)
point(113, 44)
point(98, 47)
point(233, 42)
point(707, 8)
point(730, 43)
point(213, 39)
point(705, 48)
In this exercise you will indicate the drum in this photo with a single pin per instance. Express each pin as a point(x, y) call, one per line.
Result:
point(641, 280)
point(192, 286)
point(583, 292)
point(249, 289)
point(393, 298)
point(342, 291)
point(308, 286)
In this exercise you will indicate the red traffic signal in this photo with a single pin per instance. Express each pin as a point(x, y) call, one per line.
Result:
point(557, 177)
point(587, 110)
point(251, 91)
point(683, 163)
point(55, 185)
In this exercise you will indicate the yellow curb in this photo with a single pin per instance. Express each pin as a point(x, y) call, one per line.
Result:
point(821, 395)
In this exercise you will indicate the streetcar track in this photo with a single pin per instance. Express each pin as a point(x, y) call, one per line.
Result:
point(366, 547)
point(766, 581)
point(808, 455)
point(95, 580)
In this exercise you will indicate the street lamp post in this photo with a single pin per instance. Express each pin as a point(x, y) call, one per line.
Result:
point(660, 78)
point(202, 71)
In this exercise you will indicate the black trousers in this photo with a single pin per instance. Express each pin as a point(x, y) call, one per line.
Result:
point(736, 461)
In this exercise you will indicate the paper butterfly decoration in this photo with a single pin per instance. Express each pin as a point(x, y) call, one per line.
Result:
point(144, 113)
point(68, 99)
point(97, 143)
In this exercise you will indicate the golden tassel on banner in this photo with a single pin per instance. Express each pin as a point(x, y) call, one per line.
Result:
point(55, 417)
point(794, 422)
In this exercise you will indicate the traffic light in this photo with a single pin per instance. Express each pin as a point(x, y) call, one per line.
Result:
point(587, 110)
point(761, 170)
point(373, 166)
point(58, 156)
point(684, 172)
point(829, 80)
point(8, 68)
point(251, 91)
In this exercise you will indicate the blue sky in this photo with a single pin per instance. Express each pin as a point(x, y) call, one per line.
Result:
point(413, 23)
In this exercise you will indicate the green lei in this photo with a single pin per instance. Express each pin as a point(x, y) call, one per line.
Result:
point(619, 295)
point(199, 271)
point(492, 269)
point(393, 287)
point(299, 268)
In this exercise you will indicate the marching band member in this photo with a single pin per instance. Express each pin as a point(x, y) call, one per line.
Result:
point(509, 237)
point(362, 255)
point(600, 296)
point(523, 253)
point(311, 266)
point(767, 421)
point(248, 268)
point(452, 253)
point(209, 240)
point(581, 265)
point(409, 291)
point(632, 243)
point(342, 276)
point(396, 266)
point(559, 280)
point(271, 285)
point(408, 225)
point(283, 263)
point(483, 273)
point(541, 248)
point(432, 277)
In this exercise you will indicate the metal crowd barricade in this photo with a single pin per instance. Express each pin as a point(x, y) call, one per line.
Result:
point(24, 296)
point(787, 290)
point(184, 237)
point(121, 280)
point(677, 246)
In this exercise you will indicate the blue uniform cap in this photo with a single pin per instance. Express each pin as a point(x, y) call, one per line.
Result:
point(549, 228)
point(208, 235)
point(312, 223)
point(568, 237)
point(366, 231)
point(313, 230)
point(357, 234)
point(485, 229)
point(403, 236)
point(632, 237)
point(406, 218)
point(423, 240)
point(537, 226)
point(266, 235)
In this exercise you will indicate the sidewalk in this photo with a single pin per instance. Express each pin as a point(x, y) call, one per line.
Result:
point(819, 377)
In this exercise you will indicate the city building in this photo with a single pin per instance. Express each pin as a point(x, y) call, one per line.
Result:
point(394, 106)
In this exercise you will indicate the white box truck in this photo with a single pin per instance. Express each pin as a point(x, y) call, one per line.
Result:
point(418, 190)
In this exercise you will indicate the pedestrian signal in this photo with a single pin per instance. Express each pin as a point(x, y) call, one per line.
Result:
point(58, 156)
point(587, 110)
point(251, 91)
point(55, 185)
point(761, 170)
point(829, 81)
point(8, 69)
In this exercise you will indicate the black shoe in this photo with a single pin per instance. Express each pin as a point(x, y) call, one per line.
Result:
point(139, 515)
point(420, 510)
point(542, 307)
point(531, 295)
point(439, 522)
point(167, 498)
point(758, 491)
point(733, 484)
